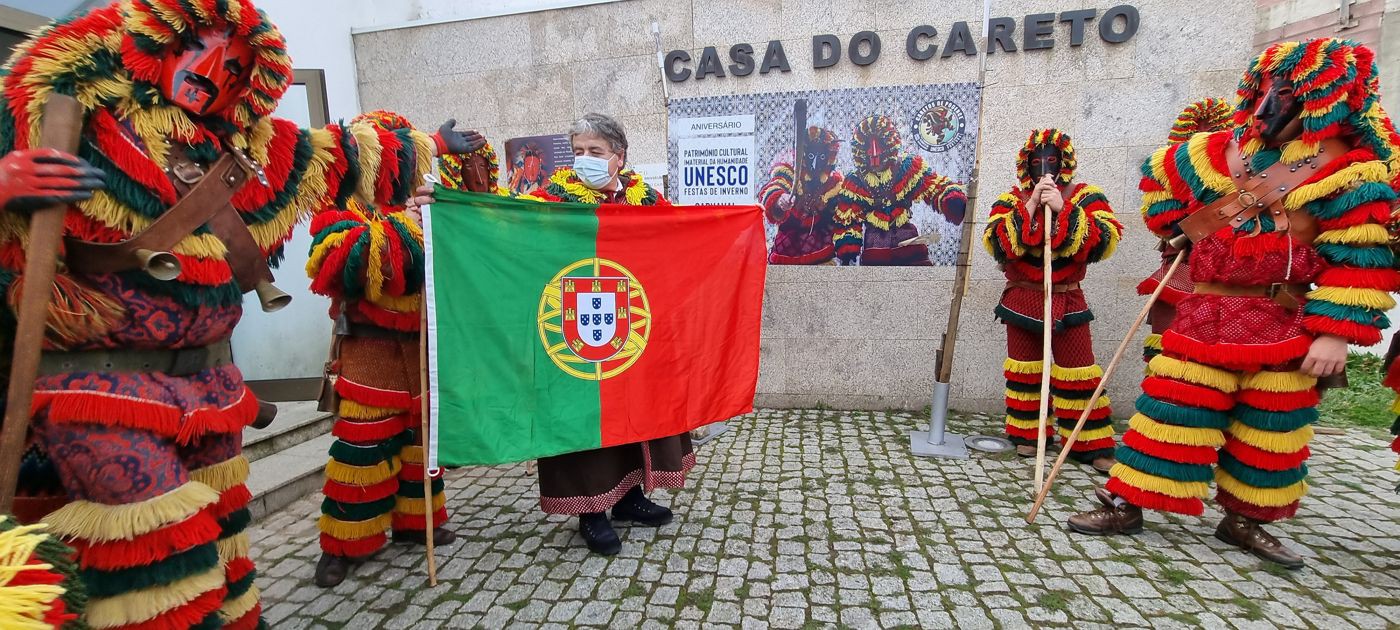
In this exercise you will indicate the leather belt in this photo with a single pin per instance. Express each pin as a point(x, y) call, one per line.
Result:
point(370, 331)
point(1040, 288)
point(1286, 295)
point(176, 362)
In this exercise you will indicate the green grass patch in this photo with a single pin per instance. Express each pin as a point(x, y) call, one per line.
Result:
point(1252, 610)
point(633, 590)
point(702, 599)
point(518, 606)
point(1054, 600)
point(1175, 576)
point(1365, 402)
point(1187, 619)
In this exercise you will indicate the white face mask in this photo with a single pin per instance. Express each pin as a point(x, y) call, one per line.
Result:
point(594, 172)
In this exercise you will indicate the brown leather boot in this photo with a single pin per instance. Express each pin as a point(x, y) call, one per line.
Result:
point(1249, 535)
point(1103, 464)
point(331, 570)
point(1025, 450)
point(1109, 519)
point(441, 536)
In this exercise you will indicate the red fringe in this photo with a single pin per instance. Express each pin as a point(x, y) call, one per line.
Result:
point(414, 472)
point(249, 620)
point(1266, 460)
point(1232, 503)
point(185, 616)
point(1155, 501)
point(232, 500)
point(345, 493)
point(111, 139)
point(238, 568)
point(209, 272)
point(109, 410)
point(1179, 453)
point(1187, 394)
point(353, 548)
point(1260, 245)
point(1026, 379)
point(1380, 279)
point(1080, 446)
point(1072, 415)
point(416, 522)
point(1279, 401)
point(373, 397)
point(1248, 357)
point(1369, 212)
point(231, 419)
point(147, 549)
point(1028, 434)
point(370, 432)
point(1023, 405)
point(1358, 334)
point(1079, 386)
point(385, 318)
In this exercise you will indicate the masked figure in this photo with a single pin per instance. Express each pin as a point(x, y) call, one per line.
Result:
point(1206, 115)
point(874, 210)
point(138, 404)
point(1290, 264)
point(528, 174)
point(1083, 231)
point(803, 210)
point(479, 171)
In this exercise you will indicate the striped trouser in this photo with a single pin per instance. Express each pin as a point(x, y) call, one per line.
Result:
point(1073, 378)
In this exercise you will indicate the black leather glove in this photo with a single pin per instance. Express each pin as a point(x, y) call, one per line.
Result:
point(450, 140)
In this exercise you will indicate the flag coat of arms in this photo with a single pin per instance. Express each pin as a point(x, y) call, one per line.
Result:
point(558, 327)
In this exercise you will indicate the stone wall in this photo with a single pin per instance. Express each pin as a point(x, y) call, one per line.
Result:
point(846, 337)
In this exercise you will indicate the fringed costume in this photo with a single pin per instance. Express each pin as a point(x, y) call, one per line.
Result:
point(1226, 400)
point(874, 211)
point(139, 406)
point(1210, 114)
point(39, 585)
point(1084, 232)
point(594, 481)
point(804, 211)
point(370, 262)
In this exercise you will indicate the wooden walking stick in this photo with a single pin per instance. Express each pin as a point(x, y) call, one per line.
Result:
point(60, 129)
point(1103, 382)
point(1047, 322)
point(423, 433)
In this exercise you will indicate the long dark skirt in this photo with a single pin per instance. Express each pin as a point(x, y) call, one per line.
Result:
point(594, 481)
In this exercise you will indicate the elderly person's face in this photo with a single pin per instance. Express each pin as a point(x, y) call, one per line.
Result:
point(592, 145)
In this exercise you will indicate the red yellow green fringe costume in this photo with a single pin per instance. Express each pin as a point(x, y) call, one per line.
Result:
point(1209, 114)
point(151, 461)
point(1085, 232)
point(370, 262)
point(804, 230)
point(39, 586)
point(875, 207)
point(1225, 401)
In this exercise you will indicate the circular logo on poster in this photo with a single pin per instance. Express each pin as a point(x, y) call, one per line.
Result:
point(939, 126)
point(594, 319)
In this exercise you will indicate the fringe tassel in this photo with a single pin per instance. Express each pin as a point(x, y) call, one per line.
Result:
point(406, 505)
point(351, 410)
point(223, 475)
point(1262, 497)
point(1186, 394)
point(148, 549)
point(240, 606)
point(411, 522)
point(1194, 373)
point(1231, 503)
point(96, 522)
point(1148, 500)
point(1170, 434)
point(1178, 453)
point(362, 475)
point(1160, 485)
point(1246, 357)
point(76, 313)
point(353, 530)
point(161, 601)
point(373, 396)
point(356, 548)
point(1278, 382)
point(369, 432)
point(345, 493)
point(1282, 442)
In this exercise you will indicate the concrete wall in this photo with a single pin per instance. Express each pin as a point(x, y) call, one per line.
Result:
point(846, 337)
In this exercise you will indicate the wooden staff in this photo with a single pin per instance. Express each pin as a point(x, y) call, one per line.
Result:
point(60, 129)
point(1046, 358)
point(1103, 382)
point(423, 433)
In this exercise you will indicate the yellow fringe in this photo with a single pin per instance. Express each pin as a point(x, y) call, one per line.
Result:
point(1171, 434)
point(1278, 382)
point(235, 546)
point(1089, 435)
point(235, 609)
point(1078, 404)
point(1273, 441)
point(96, 522)
point(1263, 497)
point(357, 411)
point(223, 475)
point(1153, 341)
point(1161, 485)
point(411, 454)
point(371, 152)
point(1395, 406)
point(1086, 373)
point(1022, 367)
point(354, 530)
point(362, 475)
point(423, 150)
point(1200, 161)
point(147, 603)
point(1364, 234)
point(1369, 171)
point(1217, 379)
point(1029, 396)
point(414, 506)
point(23, 607)
point(1028, 425)
point(1350, 296)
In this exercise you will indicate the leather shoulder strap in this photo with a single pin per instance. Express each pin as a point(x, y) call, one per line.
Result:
point(1256, 193)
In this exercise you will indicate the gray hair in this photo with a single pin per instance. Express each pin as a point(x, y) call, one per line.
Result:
point(605, 127)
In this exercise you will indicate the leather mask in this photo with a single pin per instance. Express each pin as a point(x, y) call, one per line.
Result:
point(1276, 118)
point(1045, 160)
point(209, 74)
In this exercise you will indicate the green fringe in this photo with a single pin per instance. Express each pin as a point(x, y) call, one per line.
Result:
point(1354, 314)
point(356, 262)
point(212, 621)
point(235, 523)
point(356, 511)
point(1164, 468)
point(1275, 420)
point(301, 157)
point(1261, 478)
point(414, 258)
point(407, 158)
point(414, 489)
point(75, 595)
point(1023, 415)
point(1341, 204)
point(237, 589)
point(370, 455)
point(1012, 318)
point(186, 294)
point(194, 561)
point(1168, 413)
point(351, 180)
point(1372, 257)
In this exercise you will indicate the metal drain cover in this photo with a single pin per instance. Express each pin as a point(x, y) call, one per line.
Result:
point(988, 444)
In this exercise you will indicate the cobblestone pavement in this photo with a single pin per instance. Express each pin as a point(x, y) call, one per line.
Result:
point(812, 518)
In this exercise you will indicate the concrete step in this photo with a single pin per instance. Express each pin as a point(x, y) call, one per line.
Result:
point(296, 423)
point(289, 474)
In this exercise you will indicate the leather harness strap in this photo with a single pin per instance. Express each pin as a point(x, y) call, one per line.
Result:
point(1286, 295)
point(178, 362)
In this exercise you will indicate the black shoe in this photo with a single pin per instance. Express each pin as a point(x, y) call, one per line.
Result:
point(332, 570)
point(441, 536)
point(636, 507)
point(598, 533)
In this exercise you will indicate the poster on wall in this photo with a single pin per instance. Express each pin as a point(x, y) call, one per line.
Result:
point(852, 177)
point(530, 160)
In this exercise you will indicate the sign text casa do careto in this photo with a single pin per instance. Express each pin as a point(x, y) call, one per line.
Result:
point(1037, 32)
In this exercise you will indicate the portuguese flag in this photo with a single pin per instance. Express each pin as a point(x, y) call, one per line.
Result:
point(559, 327)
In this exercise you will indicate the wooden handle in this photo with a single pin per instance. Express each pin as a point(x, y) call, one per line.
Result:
point(60, 128)
point(1047, 358)
point(1103, 383)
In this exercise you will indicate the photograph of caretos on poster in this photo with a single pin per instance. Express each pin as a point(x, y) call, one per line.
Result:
point(865, 176)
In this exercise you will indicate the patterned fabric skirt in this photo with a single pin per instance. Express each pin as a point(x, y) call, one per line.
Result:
point(594, 481)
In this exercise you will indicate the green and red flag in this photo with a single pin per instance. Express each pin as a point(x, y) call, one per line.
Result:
point(561, 327)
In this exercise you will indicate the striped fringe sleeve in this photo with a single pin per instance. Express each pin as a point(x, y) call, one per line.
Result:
point(1101, 231)
point(1009, 233)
